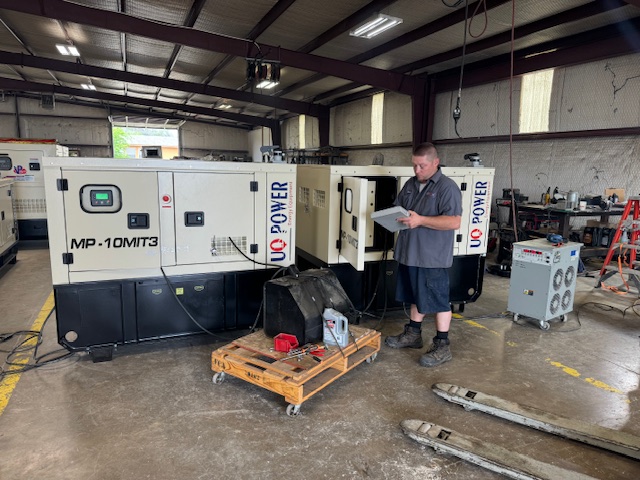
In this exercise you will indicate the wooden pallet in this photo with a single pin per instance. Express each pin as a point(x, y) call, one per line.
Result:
point(253, 359)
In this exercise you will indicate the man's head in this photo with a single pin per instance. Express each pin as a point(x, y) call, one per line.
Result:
point(425, 161)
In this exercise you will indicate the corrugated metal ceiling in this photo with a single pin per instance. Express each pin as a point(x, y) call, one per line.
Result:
point(34, 33)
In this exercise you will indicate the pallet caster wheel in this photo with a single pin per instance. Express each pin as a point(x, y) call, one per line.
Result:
point(372, 358)
point(218, 378)
point(545, 326)
point(293, 410)
point(563, 318)
point(515, 317)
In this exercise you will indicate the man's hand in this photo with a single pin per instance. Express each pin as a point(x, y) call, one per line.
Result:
point(412, 221)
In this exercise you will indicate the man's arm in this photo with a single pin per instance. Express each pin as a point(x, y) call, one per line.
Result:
point(439, 222)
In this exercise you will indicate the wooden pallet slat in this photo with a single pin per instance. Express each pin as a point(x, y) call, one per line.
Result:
point(253, 359)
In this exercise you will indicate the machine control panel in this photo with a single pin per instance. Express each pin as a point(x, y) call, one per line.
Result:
point(532, 255)
point(100, 198)
point(5, 162)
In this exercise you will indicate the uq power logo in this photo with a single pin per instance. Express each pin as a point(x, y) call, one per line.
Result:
point(280, 220)
point(479, 214)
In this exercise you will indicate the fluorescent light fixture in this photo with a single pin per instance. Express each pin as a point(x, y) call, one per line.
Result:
point(88, 86)
point(224, 106)
point(266, 84)
point(68, 50)
point(376, 26)
point(541, 53)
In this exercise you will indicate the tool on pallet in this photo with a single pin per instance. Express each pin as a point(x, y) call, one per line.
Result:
point(631, 228)
point(311, 349)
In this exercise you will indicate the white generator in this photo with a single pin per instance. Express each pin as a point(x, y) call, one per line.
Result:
point(543, 280)
point(144, 249)
point(335, 229)
point(21, 160)
point(8, 226)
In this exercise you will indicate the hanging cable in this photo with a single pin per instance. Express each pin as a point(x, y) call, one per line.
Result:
point(456, 111)
point(481, 3)
point(513, 201)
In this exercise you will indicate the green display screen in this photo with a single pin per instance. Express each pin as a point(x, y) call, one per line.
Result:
point(102, 196)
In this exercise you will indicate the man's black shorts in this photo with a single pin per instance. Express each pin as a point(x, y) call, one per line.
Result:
point(427, 288)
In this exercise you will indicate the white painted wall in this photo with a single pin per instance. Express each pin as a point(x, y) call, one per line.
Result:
point(88, 129)
point(597, 95)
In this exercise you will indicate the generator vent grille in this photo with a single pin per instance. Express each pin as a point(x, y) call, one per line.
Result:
point(222, 246)
point(318, 198)
point(303, 195)
point(31, 205)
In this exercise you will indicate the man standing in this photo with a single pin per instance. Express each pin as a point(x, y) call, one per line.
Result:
point(424, 253)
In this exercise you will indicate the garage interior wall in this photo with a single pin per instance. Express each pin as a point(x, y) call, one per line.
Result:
point(88, 130)
point(593, 96)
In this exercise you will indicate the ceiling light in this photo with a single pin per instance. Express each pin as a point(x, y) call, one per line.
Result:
point(224, 106)
point(376, 26)
point(88, 86)
point(266, 84)
point(541, 53)
point(68, 50)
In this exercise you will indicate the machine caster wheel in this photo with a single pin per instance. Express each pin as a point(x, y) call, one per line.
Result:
point(218, 378)
point(515, 317)
point(293, 410)
point(563, 318)
point(372, 358)
point(545, 326)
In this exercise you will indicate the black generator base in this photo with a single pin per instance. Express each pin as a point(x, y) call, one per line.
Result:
point(33, 229)
point(97, 316)
point(374, 288)
point(8, 257)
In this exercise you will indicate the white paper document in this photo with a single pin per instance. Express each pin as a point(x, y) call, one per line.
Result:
point(387, 218)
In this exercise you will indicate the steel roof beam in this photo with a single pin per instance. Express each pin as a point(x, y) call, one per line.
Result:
point(264, 23)
point(62, 10)
point(142, 79)
point(577, 13)
point(10, 84)
point(409, 37)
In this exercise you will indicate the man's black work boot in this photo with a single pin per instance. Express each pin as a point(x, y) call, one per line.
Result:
point(410, 338)
point(437, 354)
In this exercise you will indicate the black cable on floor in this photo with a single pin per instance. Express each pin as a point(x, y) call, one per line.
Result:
point(23, 348)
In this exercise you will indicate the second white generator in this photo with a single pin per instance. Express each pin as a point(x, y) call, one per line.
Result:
point(21, 160)
point(8, 226)
point(335, 228)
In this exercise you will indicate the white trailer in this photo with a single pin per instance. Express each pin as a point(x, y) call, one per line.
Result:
point(145, 249)
point(21, 160)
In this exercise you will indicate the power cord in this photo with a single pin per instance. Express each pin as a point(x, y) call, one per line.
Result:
point(24, 347)
point(200, 326)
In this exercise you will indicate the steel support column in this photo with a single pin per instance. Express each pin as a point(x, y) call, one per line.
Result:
point(419, 112)
point(324, 125)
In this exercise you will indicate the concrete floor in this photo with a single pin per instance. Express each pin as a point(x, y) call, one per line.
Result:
point(153, 412)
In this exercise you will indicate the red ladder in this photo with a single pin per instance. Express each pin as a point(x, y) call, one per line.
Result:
point(629, 268)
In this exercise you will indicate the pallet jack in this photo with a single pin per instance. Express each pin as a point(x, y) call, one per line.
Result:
point(501, 460)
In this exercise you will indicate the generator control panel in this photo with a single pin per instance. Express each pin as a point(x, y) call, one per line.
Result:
point(100, 199)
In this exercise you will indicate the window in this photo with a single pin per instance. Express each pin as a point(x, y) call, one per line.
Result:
point(302, 121)
point(377, 108)
point(535, 101)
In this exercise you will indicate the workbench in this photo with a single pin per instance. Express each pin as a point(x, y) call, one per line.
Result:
point(563, 217)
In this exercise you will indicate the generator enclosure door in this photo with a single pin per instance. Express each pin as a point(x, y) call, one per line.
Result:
point(226, 205)
point(353, 222)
